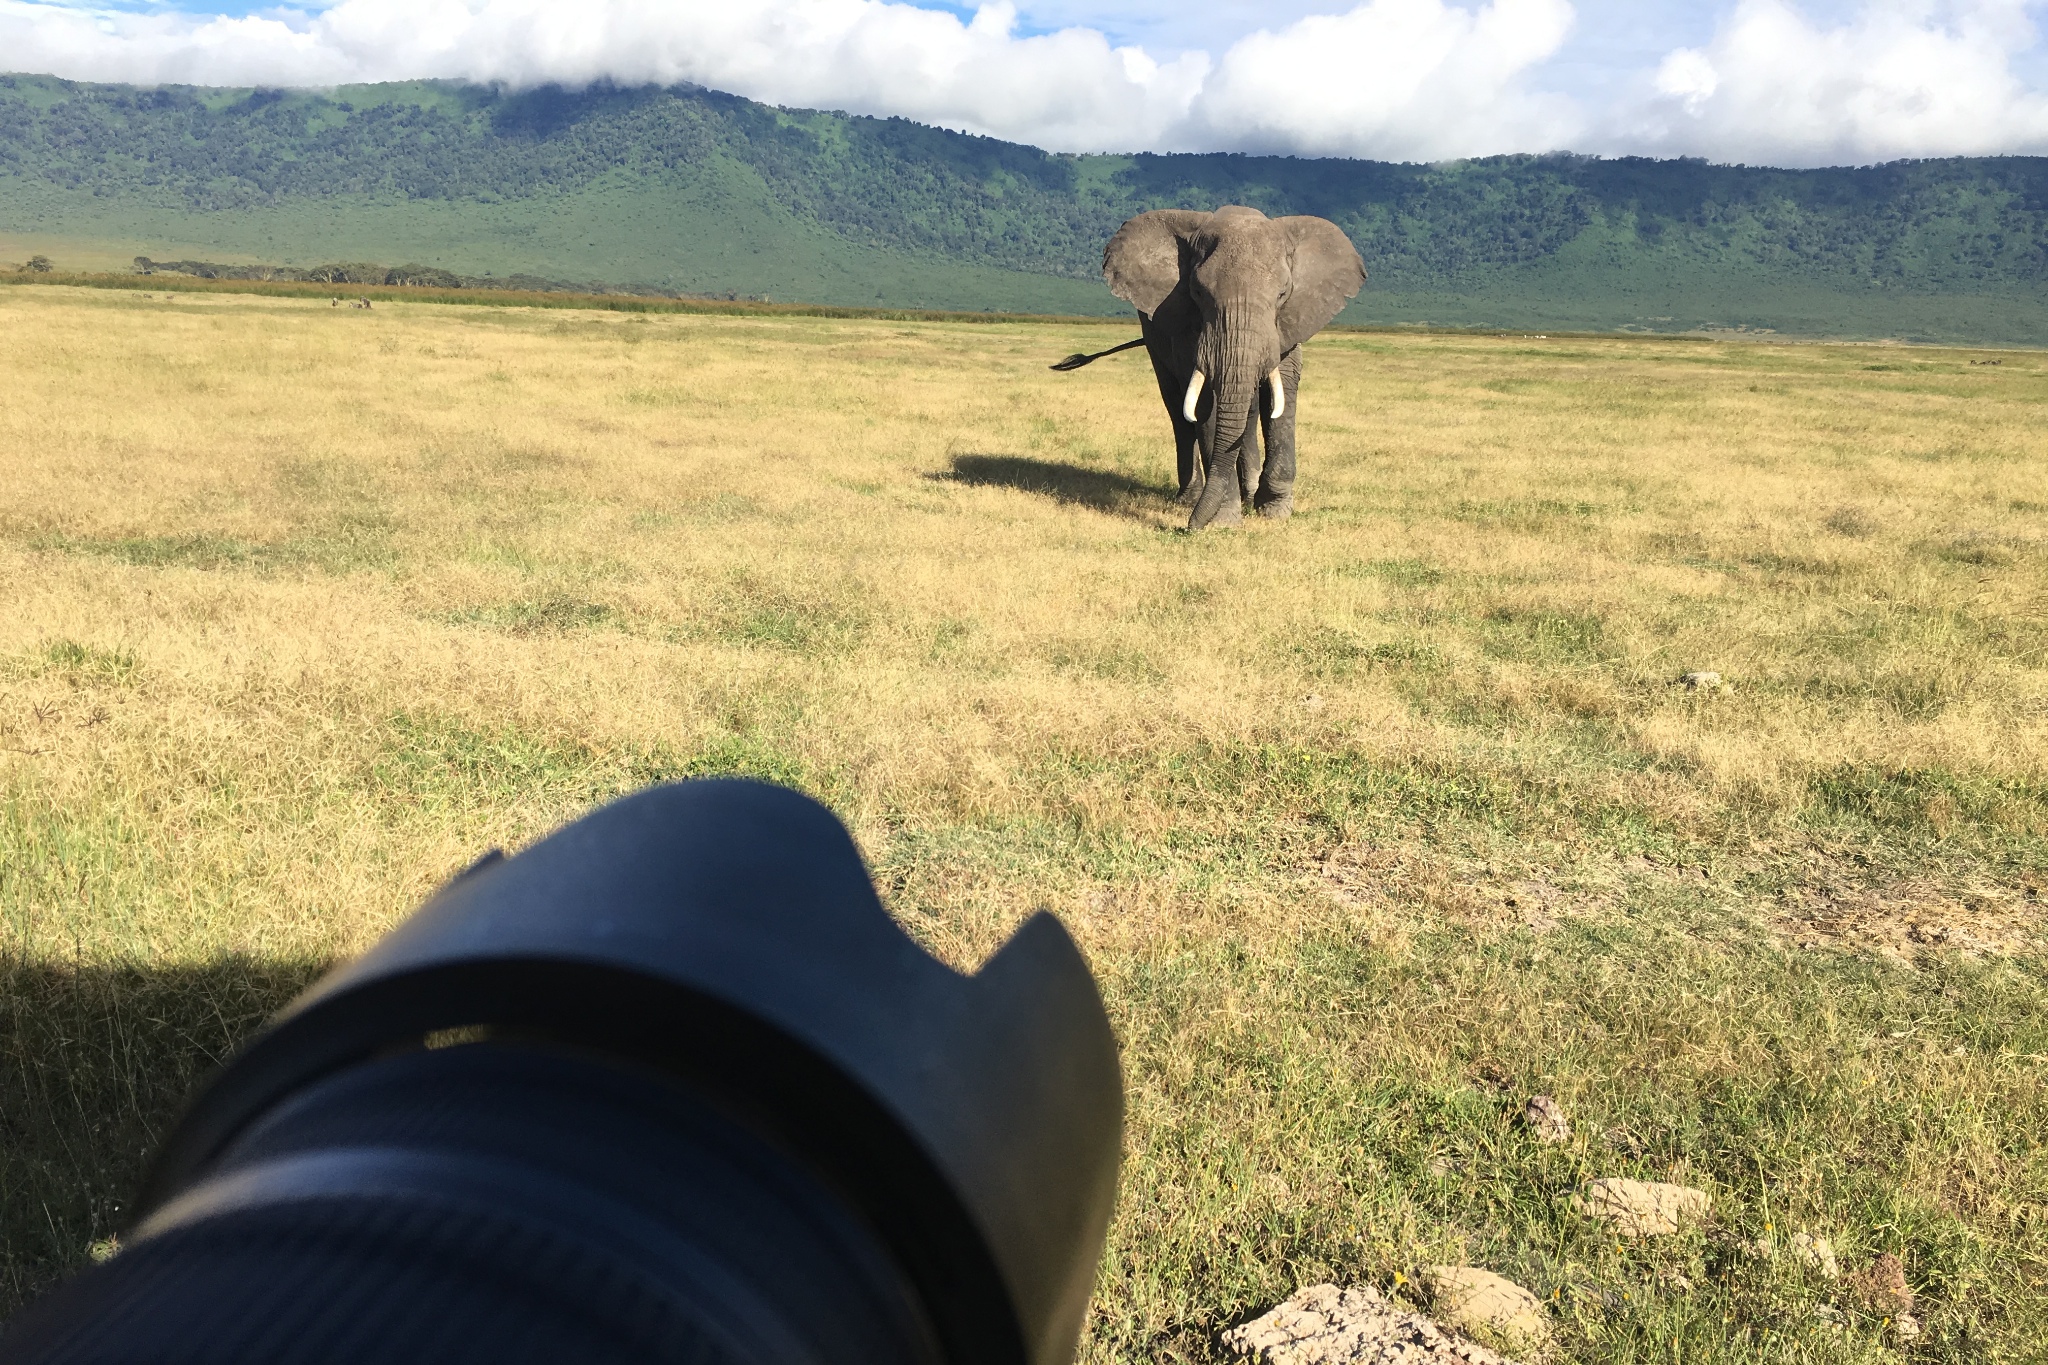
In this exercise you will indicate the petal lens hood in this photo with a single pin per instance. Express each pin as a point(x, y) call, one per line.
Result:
point(679, 1051)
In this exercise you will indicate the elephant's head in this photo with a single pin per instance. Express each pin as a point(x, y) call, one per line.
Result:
point(1249, 288)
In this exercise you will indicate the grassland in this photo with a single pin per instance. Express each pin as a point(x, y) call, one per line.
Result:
point(1373, 824)
point(710, 238)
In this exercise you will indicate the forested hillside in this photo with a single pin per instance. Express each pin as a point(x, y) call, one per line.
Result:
point(702, 192)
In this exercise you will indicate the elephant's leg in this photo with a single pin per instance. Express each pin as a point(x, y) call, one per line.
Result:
point(1160, 344)
point(1275, 496)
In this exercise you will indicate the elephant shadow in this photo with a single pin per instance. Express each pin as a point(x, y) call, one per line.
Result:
point(1068, 483)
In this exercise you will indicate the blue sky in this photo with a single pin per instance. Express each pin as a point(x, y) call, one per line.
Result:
point(1785, 82)
point(1611, 38)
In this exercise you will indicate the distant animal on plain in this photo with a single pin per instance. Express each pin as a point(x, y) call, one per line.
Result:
point(1224, 301)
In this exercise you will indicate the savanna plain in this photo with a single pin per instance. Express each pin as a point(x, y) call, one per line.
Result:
point(1373, 824)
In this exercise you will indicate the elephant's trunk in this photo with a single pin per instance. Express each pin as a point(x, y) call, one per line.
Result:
point(1240, 361)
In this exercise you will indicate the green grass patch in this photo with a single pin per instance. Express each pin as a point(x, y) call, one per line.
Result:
point(344, 547)
point(1548, 636)
point(1527, 514)
point(1118, 663)
point(82, 664)
point(802, 620)
point(1402, 573)
point(551, 615)
point(1333, 653)
point(1919, 802)
point(440, 761)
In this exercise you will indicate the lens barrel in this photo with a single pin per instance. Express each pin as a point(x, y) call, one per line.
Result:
point(668, 1085)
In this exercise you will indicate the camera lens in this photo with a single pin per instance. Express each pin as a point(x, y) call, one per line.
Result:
point(668, 1086)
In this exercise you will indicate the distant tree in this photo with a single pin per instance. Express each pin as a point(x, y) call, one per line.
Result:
point(39, 264)
point(426, 275)
point(356, 272)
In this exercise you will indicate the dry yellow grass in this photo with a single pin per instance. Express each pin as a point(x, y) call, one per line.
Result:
point(305, 606)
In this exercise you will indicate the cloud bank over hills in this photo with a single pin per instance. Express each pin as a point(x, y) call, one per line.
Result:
point(1416, 80)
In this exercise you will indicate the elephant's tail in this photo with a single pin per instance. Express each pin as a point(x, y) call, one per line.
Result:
point(1077, 360)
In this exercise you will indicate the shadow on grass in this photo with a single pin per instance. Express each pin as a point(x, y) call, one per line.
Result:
point(1068, 483)
point(96, 1063)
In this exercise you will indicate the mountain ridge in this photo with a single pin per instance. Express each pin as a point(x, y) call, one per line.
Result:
point(697, 191)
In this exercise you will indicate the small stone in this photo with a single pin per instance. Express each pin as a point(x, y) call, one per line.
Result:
point(1326, 1325)
point(1881, 1286)
point(1704, 680)
point(1642, 1208)
point(1313, 701)
point(1906, 1328)
point(1545, 1117)
point(1489, 1308)
point(1816, 1254)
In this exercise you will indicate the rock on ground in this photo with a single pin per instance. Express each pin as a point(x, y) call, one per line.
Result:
point(1545, 1117)
point(1642, 1208)
point(1816, 1254)
point(1325, 1325)
point(1487, 1307)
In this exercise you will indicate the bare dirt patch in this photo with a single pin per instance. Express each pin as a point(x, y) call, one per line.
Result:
point(1913, 915)
point(1457, 890)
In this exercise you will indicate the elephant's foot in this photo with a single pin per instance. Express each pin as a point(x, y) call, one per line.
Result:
point(1279, 509)
point(1231, 513)
point(1190, 495)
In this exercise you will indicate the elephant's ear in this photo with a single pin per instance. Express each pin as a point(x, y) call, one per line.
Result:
point(1142, 262)
point(1327, 272)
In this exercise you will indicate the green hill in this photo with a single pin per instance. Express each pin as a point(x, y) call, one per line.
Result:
point(699, 192)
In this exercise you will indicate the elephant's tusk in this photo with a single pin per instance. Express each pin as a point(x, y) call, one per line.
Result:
point(1279, 394)
point(1187, 406)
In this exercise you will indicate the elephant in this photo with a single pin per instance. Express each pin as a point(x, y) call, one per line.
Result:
point(1224, 301)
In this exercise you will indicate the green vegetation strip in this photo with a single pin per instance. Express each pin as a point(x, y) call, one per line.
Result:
point(694, 192)
point(642, 303)
point(524, 298)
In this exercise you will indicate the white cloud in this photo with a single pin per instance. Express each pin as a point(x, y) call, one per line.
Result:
point(1393, 79)
point(1068, 90)
point(1689, 77)
point(1903, 78)
point(1411, 79)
